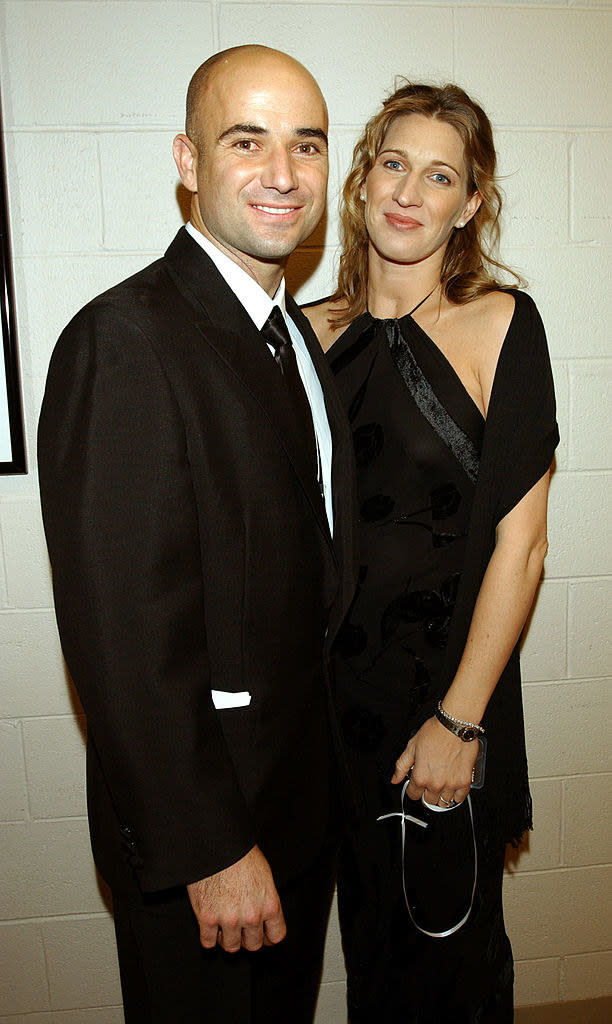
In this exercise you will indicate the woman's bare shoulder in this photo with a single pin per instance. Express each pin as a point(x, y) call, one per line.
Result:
point(319, 315)
point(490, 317)
point(493, 312)
point(483, 323)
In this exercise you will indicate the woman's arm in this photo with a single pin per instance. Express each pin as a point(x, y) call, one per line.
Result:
point(442, 762)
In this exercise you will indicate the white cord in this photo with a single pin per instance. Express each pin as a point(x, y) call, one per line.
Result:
point(417, 821)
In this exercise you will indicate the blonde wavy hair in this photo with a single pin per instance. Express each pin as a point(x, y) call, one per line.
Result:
point(470, 260)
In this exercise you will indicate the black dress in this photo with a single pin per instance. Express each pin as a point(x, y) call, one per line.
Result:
point(418, 437)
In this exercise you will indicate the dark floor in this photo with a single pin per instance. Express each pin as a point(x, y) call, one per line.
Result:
point(590, 1011)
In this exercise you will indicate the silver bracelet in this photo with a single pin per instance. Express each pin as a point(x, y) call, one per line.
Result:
point(466, 731)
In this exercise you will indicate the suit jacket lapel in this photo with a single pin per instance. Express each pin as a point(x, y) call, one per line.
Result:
point(237, 341)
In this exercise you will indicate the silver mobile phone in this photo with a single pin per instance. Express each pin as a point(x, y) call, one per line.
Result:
point(478, 771)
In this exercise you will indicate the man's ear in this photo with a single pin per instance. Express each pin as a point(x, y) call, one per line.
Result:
point(186, 159)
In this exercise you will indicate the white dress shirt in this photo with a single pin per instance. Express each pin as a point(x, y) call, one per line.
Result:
point(258, 305)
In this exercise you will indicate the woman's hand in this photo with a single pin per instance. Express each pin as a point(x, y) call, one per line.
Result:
point(443, 765)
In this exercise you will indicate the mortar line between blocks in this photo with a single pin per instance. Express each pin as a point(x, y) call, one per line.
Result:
point(584, 472)
point(216, 25)
point(515, 870)
point(123, 127)
point(101, 219)
point(567, 776)
point(565, 868)
point(54, 819)
point(571, 176)
point(562, 977)
point(566, 633)
point(535, 959)
point(66, 716)
point(94, 916)
point(4, 596)
point(562, 822)
point(45, 963)
point(580, 680)
point(28, 802)
point(454, 24)
point(590, 578)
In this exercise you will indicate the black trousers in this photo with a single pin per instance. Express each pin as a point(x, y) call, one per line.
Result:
point(168, 978)
point(394, 972)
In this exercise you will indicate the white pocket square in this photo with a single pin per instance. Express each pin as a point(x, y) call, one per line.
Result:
point(229, 699)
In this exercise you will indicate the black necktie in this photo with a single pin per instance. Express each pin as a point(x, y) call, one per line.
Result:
point(277, 335)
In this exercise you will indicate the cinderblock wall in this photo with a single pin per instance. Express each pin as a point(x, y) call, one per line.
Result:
point(92, 95)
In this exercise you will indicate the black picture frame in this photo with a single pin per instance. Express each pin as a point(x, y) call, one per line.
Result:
point(12, 439)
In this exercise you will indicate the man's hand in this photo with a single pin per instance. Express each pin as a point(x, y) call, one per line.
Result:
point(239, 906)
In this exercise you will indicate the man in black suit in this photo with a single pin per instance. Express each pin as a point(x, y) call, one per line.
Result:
point(195, 474)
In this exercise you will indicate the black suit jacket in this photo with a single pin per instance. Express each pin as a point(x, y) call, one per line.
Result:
point(190, 551)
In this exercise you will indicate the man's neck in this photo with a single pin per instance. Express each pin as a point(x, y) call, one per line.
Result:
point(249, 292)
point(267, 275)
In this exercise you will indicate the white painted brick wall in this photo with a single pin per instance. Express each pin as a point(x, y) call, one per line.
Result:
point(92, 93)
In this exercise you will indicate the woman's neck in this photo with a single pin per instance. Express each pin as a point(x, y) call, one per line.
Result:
point(394, 289)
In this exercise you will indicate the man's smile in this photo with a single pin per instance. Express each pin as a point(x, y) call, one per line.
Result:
point(276, 211)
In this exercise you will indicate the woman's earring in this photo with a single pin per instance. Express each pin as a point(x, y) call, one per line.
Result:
point(362, 197)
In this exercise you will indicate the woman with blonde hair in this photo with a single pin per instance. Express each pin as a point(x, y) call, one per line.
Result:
point(445, 375)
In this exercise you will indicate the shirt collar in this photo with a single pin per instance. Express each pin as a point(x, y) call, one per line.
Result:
point(255, 300)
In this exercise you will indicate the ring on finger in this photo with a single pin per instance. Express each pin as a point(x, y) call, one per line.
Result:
point(447, 803)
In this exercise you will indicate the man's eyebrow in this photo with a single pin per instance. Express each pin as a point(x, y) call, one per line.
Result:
point(243, 129)
point(312, 133)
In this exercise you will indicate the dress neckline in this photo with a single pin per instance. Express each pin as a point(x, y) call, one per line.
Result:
point(439, 354)
point(408, 321)
point(386, 319)
point(366, 319)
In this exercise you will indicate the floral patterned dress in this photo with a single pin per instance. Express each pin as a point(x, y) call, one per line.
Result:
point(417, 436)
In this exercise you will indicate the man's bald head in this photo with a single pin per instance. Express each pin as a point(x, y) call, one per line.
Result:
point(227, 60)
point(255, 157)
